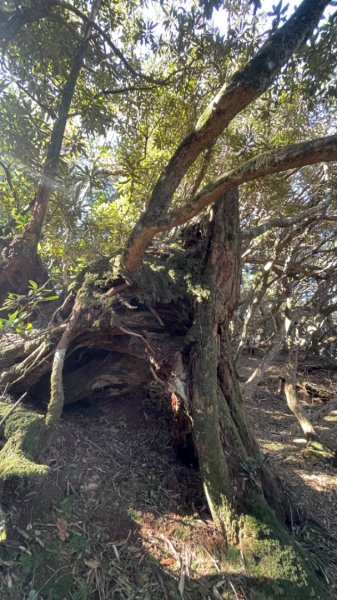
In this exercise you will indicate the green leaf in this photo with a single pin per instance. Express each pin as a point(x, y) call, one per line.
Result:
point(33, 285)
point(47, 298)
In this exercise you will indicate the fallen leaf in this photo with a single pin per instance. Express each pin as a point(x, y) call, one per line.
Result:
point(92, 564)
point(168, 562)
point(62, 531)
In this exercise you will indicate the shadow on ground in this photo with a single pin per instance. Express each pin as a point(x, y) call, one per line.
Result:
point(119, 517)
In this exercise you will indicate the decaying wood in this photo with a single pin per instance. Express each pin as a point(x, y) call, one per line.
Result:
point(316, 389)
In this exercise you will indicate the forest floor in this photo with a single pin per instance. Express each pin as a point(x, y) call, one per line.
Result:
point(119, 517)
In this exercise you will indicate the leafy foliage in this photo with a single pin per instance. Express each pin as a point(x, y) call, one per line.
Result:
point(21, 307)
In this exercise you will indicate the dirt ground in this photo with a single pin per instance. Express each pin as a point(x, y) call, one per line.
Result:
point(120, 517)
point(311, 484)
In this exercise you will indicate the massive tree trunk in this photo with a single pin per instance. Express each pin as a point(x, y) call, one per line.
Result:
point(240, 489)
point(222, 437)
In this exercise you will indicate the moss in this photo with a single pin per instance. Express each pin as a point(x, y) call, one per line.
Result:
point(315, 450)
point(178, 276)
point(271, 557)
point(24, 432)
point(233, 555)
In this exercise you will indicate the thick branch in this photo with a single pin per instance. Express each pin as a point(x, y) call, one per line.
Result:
point(56, 402)
point(244, 87)
point(257, 375)
point(287, 157)
point(12, 21)
point(291, 395)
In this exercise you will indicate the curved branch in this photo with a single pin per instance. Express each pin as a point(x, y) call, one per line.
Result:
point(284, 158)
point(253, 232)
point(243, 88)
point(12, 21)
point(56, 402)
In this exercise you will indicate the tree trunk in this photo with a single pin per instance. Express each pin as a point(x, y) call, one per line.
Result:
point(19, 260)
point(292, 400)
point(237, 483)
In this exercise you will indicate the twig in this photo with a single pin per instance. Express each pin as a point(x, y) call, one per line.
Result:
point(233, 588)
point(117, 288)
point(144, 340)
point(212, 559)
point(156, 315)
point(12, 409)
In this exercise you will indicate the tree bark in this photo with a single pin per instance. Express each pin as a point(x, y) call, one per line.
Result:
point(239, 487)
point(291, 393)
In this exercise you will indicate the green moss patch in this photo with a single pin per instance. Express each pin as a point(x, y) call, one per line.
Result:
point(315, 450)
point(24, 433)
point(279, 567)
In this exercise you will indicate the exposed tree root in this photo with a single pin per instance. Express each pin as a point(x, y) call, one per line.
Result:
point(95, 351)
point(56, 402)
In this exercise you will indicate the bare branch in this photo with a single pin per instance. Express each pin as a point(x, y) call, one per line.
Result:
point(253, 232)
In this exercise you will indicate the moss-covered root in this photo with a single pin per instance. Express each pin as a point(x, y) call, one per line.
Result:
point(277, 565)
point(24, 432)
point(316, 450)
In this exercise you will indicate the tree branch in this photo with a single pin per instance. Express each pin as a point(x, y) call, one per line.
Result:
point(10, 183)
point(12, 21)
point(113, 46)
point(275, 161)
point(32, 232)
point(253, 232)
point(244, 87)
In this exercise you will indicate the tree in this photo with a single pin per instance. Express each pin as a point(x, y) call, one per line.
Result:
point(179, 332)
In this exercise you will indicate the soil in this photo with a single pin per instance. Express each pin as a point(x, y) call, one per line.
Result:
point(122, 517)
